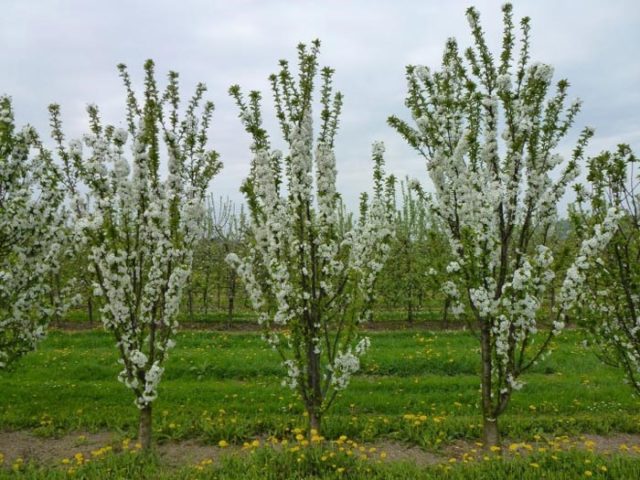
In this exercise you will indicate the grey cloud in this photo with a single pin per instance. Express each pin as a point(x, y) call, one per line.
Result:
point(66, 51)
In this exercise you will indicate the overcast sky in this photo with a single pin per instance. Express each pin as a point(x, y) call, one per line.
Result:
point(66, 52)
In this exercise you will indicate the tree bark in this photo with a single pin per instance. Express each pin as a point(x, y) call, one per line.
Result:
point(144, 429)
point(314, 422)
point(205, 293)
point(490, 432)
point(445, 313)
point(232, 296)
point(490, 420)
point(90, 309)
point(314, 393)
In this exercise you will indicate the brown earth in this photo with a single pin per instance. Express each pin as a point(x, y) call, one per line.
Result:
point(63, 450)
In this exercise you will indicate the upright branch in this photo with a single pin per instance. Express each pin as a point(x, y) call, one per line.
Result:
point(309, 273)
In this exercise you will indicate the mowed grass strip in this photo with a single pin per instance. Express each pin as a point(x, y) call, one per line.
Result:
point(416, 387)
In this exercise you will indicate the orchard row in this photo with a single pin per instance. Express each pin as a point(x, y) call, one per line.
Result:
point(120, 220)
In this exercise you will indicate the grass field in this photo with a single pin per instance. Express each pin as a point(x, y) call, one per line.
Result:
point(416, 389)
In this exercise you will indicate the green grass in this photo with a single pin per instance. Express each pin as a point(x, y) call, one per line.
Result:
point(269, 464)
point(69, 384)
point(220, 385)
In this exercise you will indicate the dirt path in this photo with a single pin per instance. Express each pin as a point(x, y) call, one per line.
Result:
point(79, 447)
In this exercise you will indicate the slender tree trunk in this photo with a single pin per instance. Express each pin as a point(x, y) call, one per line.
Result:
point(90, 309)
point(205, 293)
point(445, 313)
point(490, 421)
point(314, 422)
point(144, 429)
point(314, 394)
point(409, 310)
point(232, 296)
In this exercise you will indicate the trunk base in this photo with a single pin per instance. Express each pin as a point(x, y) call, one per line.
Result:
point(490, 433)
point(144, 429)
point(314, 423)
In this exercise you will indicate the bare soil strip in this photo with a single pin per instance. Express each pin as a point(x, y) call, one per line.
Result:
point(24, 447)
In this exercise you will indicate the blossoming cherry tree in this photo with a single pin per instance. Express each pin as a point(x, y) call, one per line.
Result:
point(309, 272)
point(139, 226)
point(489, 129)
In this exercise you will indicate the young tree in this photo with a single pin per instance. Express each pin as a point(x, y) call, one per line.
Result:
point(229, 234)
point(403, 278)
point(610, 301)
point(139, 227)
point(310, 281)
point(488, 129)
point(418, 255)
point(32, 236)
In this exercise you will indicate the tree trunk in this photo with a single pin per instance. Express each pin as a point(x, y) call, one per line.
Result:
point(90, 309)
point(232, 295)
point(314, 422)
point(490, 433)
point(445, 313)
point(490, 420)
point(144, 430)
point(314, 392)
point(205, 293)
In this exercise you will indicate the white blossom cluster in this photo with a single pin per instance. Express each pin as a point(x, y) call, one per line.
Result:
point(32, 236)
point(347, 363)
point(588, 258)
point(140, 229)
